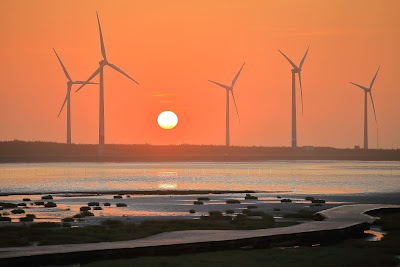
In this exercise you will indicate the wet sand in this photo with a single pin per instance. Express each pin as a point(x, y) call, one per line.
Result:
point(156, 205)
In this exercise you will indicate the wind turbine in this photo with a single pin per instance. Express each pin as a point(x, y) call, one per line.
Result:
point(366, 91)
point(68, 97)
point(229, 89)
point(104, 62)
point(296, 69)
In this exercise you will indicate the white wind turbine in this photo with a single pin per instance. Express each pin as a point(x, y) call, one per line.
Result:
point(366, 91)
point(296, 69)
point(229, 89)
point(104, 62)
point(68, 97)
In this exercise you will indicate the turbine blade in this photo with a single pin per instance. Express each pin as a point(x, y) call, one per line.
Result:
point(304, 58)
point(237, 76)
point(373, 106)
point(103, 49)
point(234, 101)
point(65, 101)
point(362, 87)
point(288, 59)
point(301, 94)
point(123, 73)
point(373, 80)
point(83, 82)
point(63, 67)
point(90, 78)
point(222, 85)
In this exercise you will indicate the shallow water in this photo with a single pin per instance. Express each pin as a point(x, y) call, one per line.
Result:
point(323, 177)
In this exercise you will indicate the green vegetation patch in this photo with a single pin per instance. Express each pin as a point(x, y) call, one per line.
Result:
point(248, 196)
point(85, 208)
point(67, 219)
point(301, 214)
point(232, 201)
point(18, 211)
point(6, 205)
point(5, 219)
point(50, 205)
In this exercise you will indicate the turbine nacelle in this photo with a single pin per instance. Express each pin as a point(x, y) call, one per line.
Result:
point(369, 90)
point(230, 88)
point(297, 69)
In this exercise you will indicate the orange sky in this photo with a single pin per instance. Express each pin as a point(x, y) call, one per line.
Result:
point(173, 47)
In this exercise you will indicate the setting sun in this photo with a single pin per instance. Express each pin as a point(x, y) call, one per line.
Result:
point(167, 120)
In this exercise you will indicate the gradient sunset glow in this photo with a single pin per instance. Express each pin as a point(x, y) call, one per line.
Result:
point(174, 47)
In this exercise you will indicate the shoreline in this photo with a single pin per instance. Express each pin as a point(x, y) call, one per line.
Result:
point(40, 152)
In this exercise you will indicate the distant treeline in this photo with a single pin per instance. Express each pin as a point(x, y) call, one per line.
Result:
point(22, 151)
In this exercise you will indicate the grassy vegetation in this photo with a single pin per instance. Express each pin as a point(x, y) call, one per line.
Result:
point(50, 205)
point(352, 252)
point(17, 211)
point(85, 208)
point(248, 196)
point(6, 205)
point(232, 201)
point(67, 219)
point(295, 257)
point(5, 219)
point(301, 214)
point(115, 230)
point(318, 201)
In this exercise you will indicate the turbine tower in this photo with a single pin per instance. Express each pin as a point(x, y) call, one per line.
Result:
point(68, 97)
point(229, 89)
point(104, 62)
point(296, 69)
point(366, 91)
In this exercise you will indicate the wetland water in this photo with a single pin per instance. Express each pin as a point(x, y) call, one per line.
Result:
point(308, 177)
